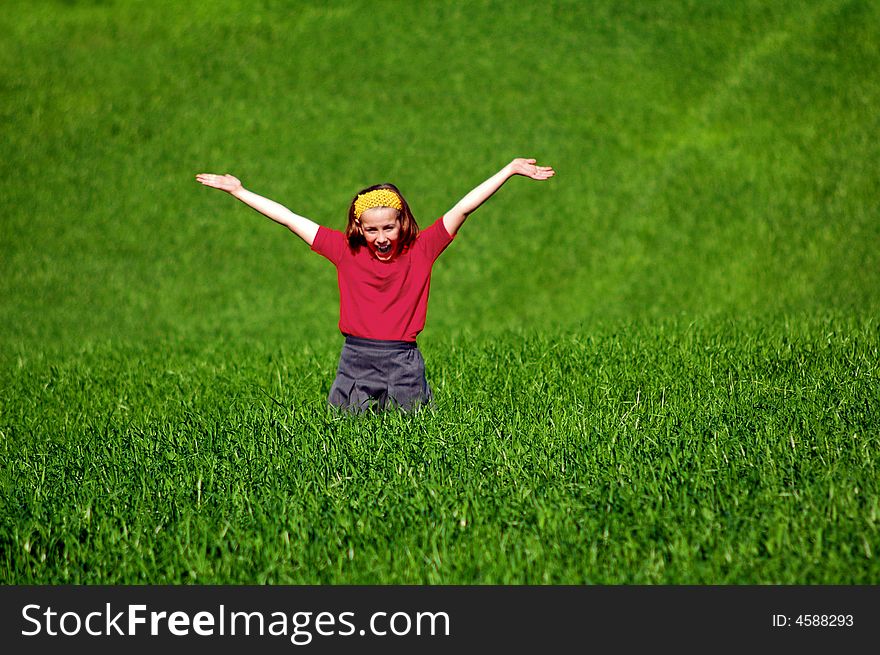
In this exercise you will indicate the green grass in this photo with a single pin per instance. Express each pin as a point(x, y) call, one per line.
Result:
point(670, 454)
point(658, 367)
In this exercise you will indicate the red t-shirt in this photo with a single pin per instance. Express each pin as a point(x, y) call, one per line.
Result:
point(383, 300)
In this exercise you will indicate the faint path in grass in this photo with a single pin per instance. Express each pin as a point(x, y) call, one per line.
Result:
point(749, 187)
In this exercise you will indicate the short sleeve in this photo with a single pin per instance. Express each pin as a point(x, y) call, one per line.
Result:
point(330, 243)
point(434, 239)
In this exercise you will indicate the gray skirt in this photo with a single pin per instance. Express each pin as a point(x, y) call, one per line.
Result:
point(375, 374)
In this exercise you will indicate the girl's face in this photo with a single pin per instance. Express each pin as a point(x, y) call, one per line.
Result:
point(381, 229)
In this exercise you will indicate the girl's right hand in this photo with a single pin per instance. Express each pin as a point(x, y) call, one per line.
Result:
point(223, 182)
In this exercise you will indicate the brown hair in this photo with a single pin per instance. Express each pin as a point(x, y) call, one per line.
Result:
point(409, 229)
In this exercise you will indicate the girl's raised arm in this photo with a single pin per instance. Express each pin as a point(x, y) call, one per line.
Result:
point(453, 219)
point(299, 225)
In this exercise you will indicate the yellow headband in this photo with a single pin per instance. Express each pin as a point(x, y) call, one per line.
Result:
point(376, 198)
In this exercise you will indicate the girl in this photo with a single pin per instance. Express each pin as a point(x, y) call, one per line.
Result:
point(383, 264)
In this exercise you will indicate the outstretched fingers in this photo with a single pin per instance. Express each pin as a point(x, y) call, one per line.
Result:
point(209, 178)
point(224, 182)
point(542, 173)
point(529, 168)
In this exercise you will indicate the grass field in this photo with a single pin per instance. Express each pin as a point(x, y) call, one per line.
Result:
point(658, 367)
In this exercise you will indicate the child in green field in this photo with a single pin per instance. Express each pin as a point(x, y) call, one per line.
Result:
point(383, 264)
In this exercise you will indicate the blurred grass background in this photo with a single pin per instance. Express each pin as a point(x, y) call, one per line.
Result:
point(712, 158)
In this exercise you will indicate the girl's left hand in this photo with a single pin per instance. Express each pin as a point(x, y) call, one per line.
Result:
point(528, 168)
